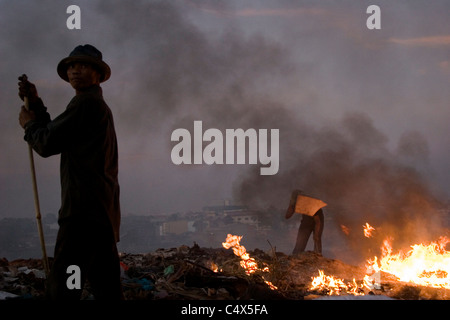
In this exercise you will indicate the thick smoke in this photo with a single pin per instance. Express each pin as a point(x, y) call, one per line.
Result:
point(348, 164)
point(168, 71)
point(350, 167)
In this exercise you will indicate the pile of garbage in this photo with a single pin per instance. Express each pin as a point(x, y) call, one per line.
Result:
point(191, 273)
point(24, 279)
point(194, 273)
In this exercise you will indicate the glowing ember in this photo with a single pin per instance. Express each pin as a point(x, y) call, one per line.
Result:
point(345, 229)
point(368, 230)
point(427, 265)
point(213, 267)
point(249, 264)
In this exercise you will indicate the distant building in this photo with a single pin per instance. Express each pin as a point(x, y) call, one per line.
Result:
point(225, 209)
point(174, 227)
point(245, 217)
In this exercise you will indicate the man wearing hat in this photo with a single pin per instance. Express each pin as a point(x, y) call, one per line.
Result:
point(84, 136)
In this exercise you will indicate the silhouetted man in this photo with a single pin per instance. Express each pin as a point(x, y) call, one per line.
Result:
point(309, 224)
point(84, 135)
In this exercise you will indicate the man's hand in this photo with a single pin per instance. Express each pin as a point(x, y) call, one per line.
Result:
point(294, 196)
point(25, 116)
point(291, 209)
point(27, 89)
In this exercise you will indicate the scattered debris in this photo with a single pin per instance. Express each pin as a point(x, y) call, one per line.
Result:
point(194, 273)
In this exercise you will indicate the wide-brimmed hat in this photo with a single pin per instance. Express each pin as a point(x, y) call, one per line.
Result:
point(87, 54)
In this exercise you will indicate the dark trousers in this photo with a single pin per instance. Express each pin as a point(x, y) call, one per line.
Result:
point(310, 225)
point(90, 246)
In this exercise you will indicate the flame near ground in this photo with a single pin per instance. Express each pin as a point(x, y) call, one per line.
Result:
point(423, 264)
point(247, 263)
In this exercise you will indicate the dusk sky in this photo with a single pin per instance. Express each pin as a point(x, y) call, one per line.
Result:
point(311, 69)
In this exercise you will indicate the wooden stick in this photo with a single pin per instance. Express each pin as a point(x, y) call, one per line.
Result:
point(36, 196)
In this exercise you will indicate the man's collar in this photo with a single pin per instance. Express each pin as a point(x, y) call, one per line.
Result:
point(94, 89)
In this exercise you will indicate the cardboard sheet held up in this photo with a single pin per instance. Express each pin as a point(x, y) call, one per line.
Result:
point(308, 205)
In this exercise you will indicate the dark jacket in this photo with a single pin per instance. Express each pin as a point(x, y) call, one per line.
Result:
point(85, 137)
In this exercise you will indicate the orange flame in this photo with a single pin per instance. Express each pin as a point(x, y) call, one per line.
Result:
point(345, 229)
point(423, 264)
point(213, 266)
point(247, 263)
point(368, 230)
point(427, 265)
point(336, 286)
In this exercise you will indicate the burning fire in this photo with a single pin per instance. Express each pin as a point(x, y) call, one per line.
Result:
point(336, 286)
point(423, 264)
point(368, 230)
point(213, 266)
point(426, 265)
point(249, 264)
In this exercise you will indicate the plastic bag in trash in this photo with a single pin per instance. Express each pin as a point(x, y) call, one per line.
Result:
point(169, 270)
